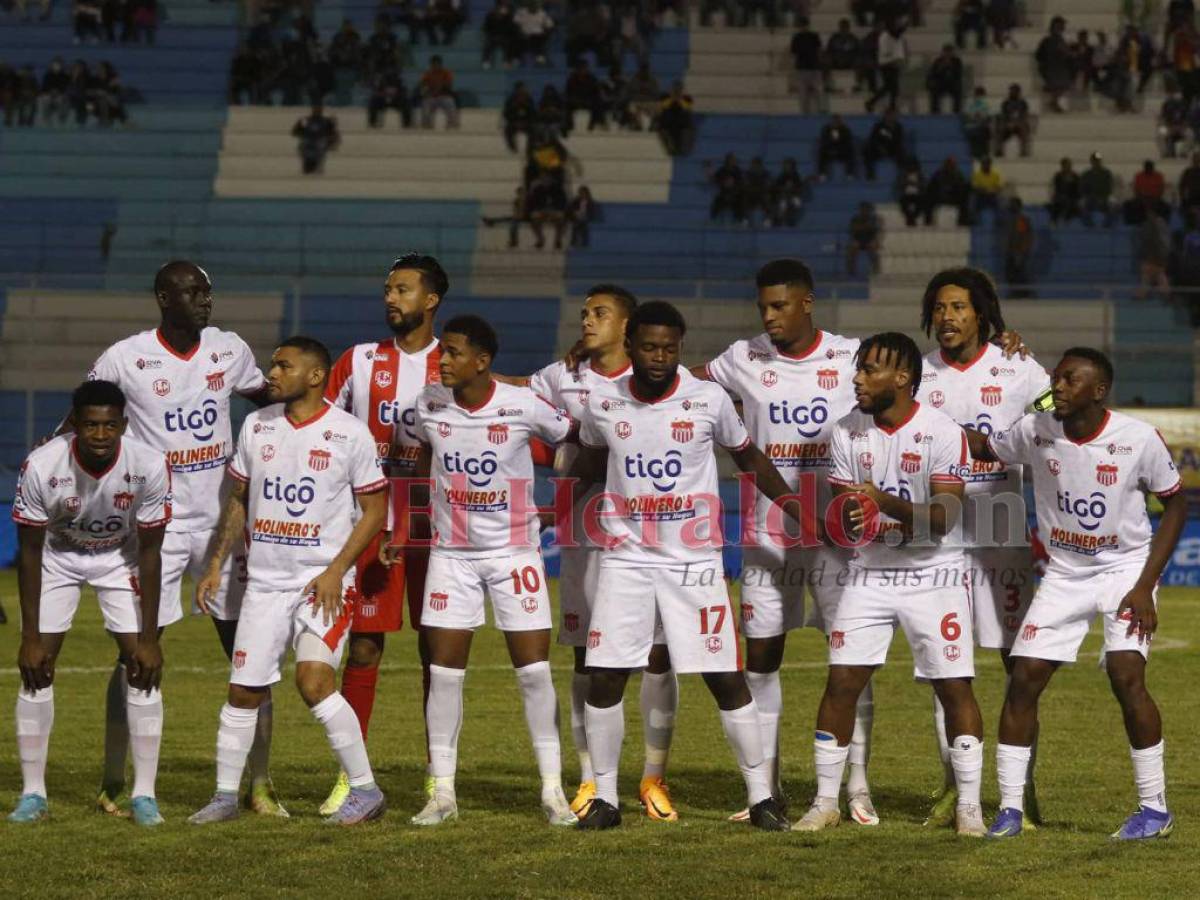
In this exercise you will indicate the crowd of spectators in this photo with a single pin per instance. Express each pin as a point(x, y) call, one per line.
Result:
point(542, 199)
point(608, 30)
point(77, 93)
point(93, 21)
point(753, 195)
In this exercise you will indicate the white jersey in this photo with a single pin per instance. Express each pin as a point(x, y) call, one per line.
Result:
point(301, 479)
point(482, 472)
point(988, 394)
point(1091, 507)
point(93, 513)
point(926, 449)
point(791, 404)
point(569, 391)
point(662, 468)
point(180, 406)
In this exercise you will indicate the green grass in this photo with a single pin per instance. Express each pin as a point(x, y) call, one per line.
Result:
point(502, 847)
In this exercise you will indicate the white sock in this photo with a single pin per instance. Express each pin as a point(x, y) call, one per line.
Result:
point(830, 763)
point(116, 727)
point(443, 721)
point(35, 718)
point(966, 756)
point(659, 700)
point(260, 750)
point(1012, 766)
point(744, 733)
point(579, 692)
point(234, 737)
point(541, 717)
point(939, 727)
point(345, 737)
point(605, 734)
point(860, 741)
point(1149, 777)
point(145, 713)
point(768, 697)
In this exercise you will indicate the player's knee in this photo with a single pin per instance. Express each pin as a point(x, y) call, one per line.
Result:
point(606, 687)
point(728, 689)
point(1127, 682)
point(365, 651)
point(764, 654)
point(242, 697)
point(660, 660)
point(314, 683)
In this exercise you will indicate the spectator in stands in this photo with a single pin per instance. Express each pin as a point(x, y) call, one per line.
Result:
point(1002, 16)
point(1097, 185)
point(1018, 251)
point(1186, 275)
point(86, 17)
point(519, 214)
point(835, 144)
point(1013, 120)
point(500, 32)
point(1056, 64)
point(1149, 189)
point(806, 56)
point(437, 93)
point(383, 49)
point(630, 31)
point(587, 32)
point(1131, 66)
point(520, 115)
point(842, 51)
point(866, 234)
point(446, 16)
point(1153, 251)
point(1172, 123)
point(1066, 191)
point(750, 10)
point(676, 122)
point(111, 13)
point(580, 214)
point(535, 26)
point(986, 185)
point(388, 91)
point(945, 79)
point(1103, 63)
point(1182, 50)
point(867, 75)
point(756, 190)
point(886, 141)
point(22, 8)
point(552, 113)
point(893, 56)
point(948, 187)
point(728, 181)
point(20, 96)
point(863, 12)
point(54, 93)
point(109, 95)
point(245, 74)
point(583, 92)
point(788, 194)
point(79, 85)
point(644, 96)
point(142, 16)
point(614, 91)
point(977, 124)
point(910, 192)
point(318, 134)
point(346, 55)
point(728, 8)
point(1189, 185)
point(969, 16)
point(547, 206)
point(1082, 56)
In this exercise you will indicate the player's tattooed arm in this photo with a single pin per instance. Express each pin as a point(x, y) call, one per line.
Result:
point(326, 588)
point(36, 665)
point(977, 443)
point(230, 529)
point(1139, 602)
point(751, 460)
point(145, 669)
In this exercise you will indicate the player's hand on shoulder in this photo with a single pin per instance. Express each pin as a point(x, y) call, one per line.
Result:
point(326, 591)
point(145, 669)
point(37, 668)
point(574, 356)
point(1138, 608)
point(1012, 344)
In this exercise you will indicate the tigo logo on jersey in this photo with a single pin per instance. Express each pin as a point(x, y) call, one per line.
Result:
point(162, 387)
point(438, 600)
point(122, 500)
point(267, 452)
point(837, 640)
point(529, 604)
point(910, 462)
point(937, 398)
point(624, 430)
point(444, 429)
point(383, 378)
point(1106, 474)
point(866, 459)
point(682, 431)
point(239, 659)
point(497, 434)
point(713, 644)
point(827, 378)
point(72, 504)
point(593, 640)
point(1054, 466)
point(202, 422)
point(989, 395)
point(318, 460)
point(295, 497)
point(1029, 632)
point(952, 652)
point(769, 378)
point(216, 380)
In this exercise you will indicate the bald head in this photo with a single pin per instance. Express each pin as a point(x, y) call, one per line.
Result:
point(177, 270)
point(184, 294)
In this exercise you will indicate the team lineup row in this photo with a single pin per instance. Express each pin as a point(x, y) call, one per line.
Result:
point(293, 542)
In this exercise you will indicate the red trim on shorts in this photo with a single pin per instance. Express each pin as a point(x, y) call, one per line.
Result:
point(334, 635)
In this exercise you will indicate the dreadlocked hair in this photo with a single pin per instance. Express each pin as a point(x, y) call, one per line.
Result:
point(900, 348)
point(979, 288)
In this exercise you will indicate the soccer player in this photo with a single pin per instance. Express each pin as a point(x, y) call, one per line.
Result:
point(475, 433)
point(178, 380)
point(898, 463)
point(795, 383)
point(979, 386)
point(299, 466)
point(91, 508)
point(651, 439)
point(1091, 470)
point(379, 382)
point(604, 360)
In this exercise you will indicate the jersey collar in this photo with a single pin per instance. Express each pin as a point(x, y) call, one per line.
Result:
point(962, 367)
point(314, 417)
point(1091, 437)
point(186, 357)
point(482, 403)
point(615, 373)
point(671, 390)
point(807, 351)
point(95, 475)
point(424, 350)
point(892, 429)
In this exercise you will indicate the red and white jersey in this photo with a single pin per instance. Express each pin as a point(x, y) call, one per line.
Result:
point(988, 394)
point(93, 512)
point(662, 468)
point(926, 449)
point(302, 478)
point(379, 383)
point(1091, 507)
point(180, 406)
point(482, 472)
point(791, 404)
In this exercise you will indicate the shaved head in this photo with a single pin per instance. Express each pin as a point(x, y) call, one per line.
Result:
point(171, 274)
point(184, 295)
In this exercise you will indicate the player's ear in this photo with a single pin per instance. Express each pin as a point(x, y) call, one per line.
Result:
point(432, 302)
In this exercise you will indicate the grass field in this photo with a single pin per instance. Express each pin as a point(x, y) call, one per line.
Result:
point(502, 848)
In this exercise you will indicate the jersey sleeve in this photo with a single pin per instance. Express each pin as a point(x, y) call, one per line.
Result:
point(1011, 446)
point(155, 510)
point(842, 470)
point(590, 433)
point(723, 369)
point(550, 423)
point(420, 425)
point(366, 474)
point(1157, 469)
point(949, 454)
point(106, 368)
point(730, 431)
point(29, 506)
point(544, 383)
point(247, 377)
point(337, 389)
point(239, 463)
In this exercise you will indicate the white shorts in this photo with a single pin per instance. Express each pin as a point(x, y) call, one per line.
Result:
point(775, 581)
point(186, 552)
point(579, 571)
point(455, 588)
point(271, 622)
point(1001, 588)
point(111, 573)
point(689, 603)
point(1063, 610)
point(935, 616)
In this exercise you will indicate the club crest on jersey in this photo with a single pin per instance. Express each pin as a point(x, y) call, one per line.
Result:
point(989, 395)
point(1029, 632)
point(239, 659)
point(952, 652)
point(571, 621)
point(910, 462)
point(162, 387)
point(318, 460)
point(1054, 466)
point(937, 398)
point(837, 640)
point(444, 429)
point(747, 611)
point(122, 500)
point(268, 452)
point(593, 640)
point(713, 644)
point(827, 378)
point(383, 378)
point(1106, 474)
point(866, 459)
point(497, 434)
point(216, 381)
point(682, 431)
point(769, 378)
point(624, 430)
point(529, 604)
point(438, 600)
point(72, 504)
